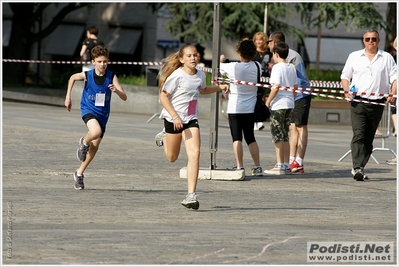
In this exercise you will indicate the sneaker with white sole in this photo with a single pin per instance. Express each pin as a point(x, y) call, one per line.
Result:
point(79, 185)
point(159, 138)
point(257, 171)
point(82, 150)
point(296, 168)
point(275, 171)
point(391, 161)
point(259, 126)
point(358, 174)
point(191, 201)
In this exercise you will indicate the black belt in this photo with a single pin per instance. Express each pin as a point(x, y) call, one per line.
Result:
point(380, 100)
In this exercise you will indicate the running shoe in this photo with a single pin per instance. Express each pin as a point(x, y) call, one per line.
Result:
point(296, 168)
point(275, 171)
point(79, 185)
point(159, 138)
point(191, 201)
point(358, 174)
point(257, 171)
point(82, 150)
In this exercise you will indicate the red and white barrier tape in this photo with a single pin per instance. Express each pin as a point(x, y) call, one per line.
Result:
point(78, 62)
point(313, 83)
point(310, 91)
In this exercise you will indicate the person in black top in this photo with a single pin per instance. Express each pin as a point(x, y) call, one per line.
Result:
point(88, 44)
point(263, 56)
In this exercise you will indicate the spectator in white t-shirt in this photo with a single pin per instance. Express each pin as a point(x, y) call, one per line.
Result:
point(284, 82)
point(241, 105)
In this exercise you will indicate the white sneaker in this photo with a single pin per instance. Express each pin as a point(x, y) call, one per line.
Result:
point(275, 171)
point(159, 138)
point(258, 126)
point(191, 201)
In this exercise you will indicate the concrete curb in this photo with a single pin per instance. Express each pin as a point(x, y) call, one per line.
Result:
point(144, 100)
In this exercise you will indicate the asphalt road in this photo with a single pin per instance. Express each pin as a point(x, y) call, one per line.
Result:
point(130, 211)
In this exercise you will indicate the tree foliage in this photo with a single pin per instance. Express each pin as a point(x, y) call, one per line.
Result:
point(25, 15)
point(353, 16)
point(195, 20)
point(392, 16)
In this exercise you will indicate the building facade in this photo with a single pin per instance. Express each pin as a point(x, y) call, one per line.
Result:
point(134, 33)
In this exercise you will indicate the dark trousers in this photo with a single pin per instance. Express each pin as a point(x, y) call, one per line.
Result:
point(365, 119)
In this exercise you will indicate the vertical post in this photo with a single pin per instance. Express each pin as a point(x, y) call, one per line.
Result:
point(318, 45)
point(39, 45)
point(265, 22)
point(214, 121)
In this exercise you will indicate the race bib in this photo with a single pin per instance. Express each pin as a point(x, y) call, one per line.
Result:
point(100, 100)
point(192, 107)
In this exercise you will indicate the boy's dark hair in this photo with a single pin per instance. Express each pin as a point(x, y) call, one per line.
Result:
point(99, 51)
point(93, 30)
point(282, 49)
point(247, 49)
point(277, 36)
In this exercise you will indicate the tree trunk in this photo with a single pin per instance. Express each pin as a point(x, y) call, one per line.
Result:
point(318, 47)
point(391, 25)
point(25, 15)
point(18, 48)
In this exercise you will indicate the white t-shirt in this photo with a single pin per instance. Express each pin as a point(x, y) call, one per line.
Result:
point(184, 91)
point(242, 98)
point(283, 74)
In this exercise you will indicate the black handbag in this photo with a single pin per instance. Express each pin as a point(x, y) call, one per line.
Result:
point(261, 111)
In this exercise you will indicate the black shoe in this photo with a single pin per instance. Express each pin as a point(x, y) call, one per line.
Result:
point(358, 175)
point(79, 185)
point(82, 150)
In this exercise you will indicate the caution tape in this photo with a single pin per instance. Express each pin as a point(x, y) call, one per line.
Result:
point(205, 69)
point(78, 62)
point(313, 83)
point(310, 91)
point(263, 80)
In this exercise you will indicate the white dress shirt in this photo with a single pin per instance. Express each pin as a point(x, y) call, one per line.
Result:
point(370, 77)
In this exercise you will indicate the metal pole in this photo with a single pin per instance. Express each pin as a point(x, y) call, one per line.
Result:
point(214, 120)
point(265, 20)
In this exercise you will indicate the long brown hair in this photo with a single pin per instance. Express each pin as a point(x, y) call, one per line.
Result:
point(170, 64)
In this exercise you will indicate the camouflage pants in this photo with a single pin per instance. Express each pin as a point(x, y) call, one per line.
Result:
point(280, 124)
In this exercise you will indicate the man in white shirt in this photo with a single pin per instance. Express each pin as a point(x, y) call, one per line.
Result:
point(370, 72)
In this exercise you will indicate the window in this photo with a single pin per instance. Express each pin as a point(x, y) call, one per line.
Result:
point(6, 32)
point(122, 40)
point(65, 39)
point(333, 51)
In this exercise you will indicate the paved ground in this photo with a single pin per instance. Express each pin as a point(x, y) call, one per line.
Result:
point(130, 211)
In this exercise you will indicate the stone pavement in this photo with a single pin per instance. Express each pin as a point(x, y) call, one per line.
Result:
point(130, 211)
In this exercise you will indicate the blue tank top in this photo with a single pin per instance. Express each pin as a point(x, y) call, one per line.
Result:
point(89, 94)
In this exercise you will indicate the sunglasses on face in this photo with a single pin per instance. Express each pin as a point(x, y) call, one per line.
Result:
point(373, 39)
point(268, 41)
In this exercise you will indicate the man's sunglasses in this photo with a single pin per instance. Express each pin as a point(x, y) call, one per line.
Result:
point(373, 39)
